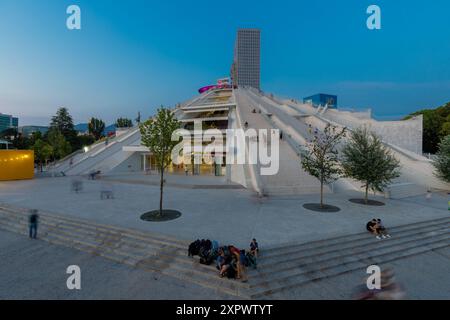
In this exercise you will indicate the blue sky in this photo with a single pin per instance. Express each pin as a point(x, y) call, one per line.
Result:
point(135, 55)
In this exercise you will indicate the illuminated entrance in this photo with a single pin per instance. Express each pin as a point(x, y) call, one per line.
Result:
point(148, 164)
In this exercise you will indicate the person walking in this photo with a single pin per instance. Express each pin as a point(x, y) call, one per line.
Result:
point(33, 223)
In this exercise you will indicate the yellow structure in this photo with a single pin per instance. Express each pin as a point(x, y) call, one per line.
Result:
point(16, 165)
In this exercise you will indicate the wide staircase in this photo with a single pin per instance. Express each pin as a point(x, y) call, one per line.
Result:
point(143, 250)
point(280, 268)
point(294, 265)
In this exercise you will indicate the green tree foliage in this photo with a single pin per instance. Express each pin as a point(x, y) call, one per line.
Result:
point(86, 140)
point(366, 159)
point(321, 159)
point(42, 152)
point(442, 160)
point(124, 123)
point(60, 146)
point(156, 134)
point(21, 142)
point(436, 125)
point(9, 134)
point(96, 128)
point(63, 123)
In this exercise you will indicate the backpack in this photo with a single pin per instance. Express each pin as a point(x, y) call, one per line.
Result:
point(231, 272)
point(194, 248)
point(204, 253)
point(208, 244)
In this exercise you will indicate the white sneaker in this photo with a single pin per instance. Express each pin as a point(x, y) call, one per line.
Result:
point(383, 236)
point(388, 236)
point(379, 238)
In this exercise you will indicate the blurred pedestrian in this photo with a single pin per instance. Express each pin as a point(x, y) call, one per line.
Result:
point(33, 223)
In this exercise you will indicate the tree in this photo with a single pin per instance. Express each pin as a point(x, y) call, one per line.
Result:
point(22, 142)
point(366, 159)
point(436, 125)
point(86, 140)
point(442, 160)
point(63, 123)
point(156, 134)
point(42, 151)
point(60, 146)
point(445, 129)
point(124, 123)
point(96, 128)
point(9, 134)
point(321, 159)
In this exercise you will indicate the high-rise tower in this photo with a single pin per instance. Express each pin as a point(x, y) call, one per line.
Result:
point(247, 58)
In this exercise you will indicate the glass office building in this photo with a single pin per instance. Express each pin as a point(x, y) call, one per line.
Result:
point(7, 122)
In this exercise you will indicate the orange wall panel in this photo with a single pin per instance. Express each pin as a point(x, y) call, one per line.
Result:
point(16, 165)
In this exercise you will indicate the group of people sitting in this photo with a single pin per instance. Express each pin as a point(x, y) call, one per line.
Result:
point(376, 227)
point(230, 261)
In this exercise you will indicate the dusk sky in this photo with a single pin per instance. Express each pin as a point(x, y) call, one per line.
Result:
point(136, 55)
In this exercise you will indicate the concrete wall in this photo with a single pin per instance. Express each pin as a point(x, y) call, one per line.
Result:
point(406, 134)
point(131, 164)
point(235, 172)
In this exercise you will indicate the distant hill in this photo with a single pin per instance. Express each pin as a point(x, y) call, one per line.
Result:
point(436, 125)
point(81, 127)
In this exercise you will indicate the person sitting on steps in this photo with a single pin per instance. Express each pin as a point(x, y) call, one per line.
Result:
point(382, 230)
point(371, 226)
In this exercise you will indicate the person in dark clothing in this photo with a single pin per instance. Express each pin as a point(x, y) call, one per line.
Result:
point(254, 248)
point(372, 227)
point(33, 223)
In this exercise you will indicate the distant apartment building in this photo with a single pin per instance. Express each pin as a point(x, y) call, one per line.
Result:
point(322, 99)
point(246, 68)
point(8, 122)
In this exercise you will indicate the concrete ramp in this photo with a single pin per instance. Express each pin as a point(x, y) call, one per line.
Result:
point(291, 179)
point(100, 156)
point(417, 172)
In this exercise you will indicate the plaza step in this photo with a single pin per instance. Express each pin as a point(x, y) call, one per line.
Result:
point(346, 240)
point(135, 248)
point(286, 268)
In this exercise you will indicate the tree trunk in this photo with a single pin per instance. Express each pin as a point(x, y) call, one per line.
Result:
point(321, 193)
point(161, 193)
point(366, 198)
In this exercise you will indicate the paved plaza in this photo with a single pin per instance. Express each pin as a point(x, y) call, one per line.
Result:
point(37, 270)
point(211, 209)
point(227, 215)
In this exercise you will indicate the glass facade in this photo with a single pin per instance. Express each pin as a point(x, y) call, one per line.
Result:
point(7, 122)
point(322, 99)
